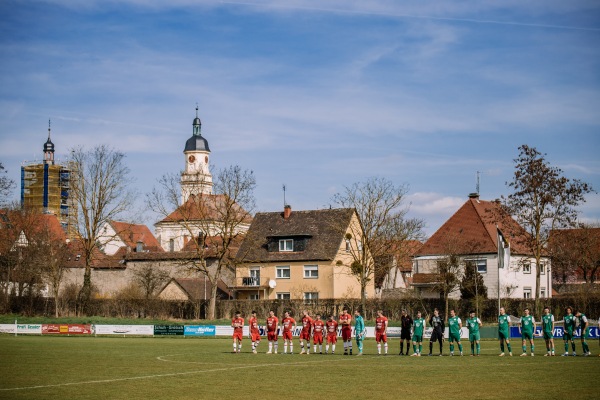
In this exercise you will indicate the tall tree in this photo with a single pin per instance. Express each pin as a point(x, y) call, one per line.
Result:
point(542, 200)
point(576, 251)
point(100, 186)
point(384, 225)
point(212, 225)
point(6, 186)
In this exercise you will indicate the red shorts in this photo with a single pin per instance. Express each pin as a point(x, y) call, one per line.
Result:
point(380, 337)
point(318, 338)
point(332, 339)
point(346, 334)
point(255, 336)
point(305, 335)
point(287, 335)
point(272, 336)
point(237, 335)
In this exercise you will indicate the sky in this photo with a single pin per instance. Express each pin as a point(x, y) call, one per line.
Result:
point(316, 95)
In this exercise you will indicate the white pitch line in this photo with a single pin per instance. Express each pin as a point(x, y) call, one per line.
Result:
point(159, 375)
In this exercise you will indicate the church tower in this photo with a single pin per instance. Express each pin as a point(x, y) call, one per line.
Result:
point(196, 177)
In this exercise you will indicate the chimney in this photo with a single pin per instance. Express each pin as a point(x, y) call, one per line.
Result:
point(474, 196)
point(287, 211)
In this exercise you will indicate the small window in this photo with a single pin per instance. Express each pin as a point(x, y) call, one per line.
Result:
point(171, 244)
point(311, 296)
point(286, 245)
point(481, 265)
point(283, 296)
point(527, 268)
point(526, 293)
point(542, 269)
point(283, 272)
point(348, 245)
point(543, 292)
point(254, 296)
point(311, 271)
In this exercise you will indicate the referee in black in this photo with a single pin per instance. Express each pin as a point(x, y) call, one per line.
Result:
point(406, 325)
point(437, 323)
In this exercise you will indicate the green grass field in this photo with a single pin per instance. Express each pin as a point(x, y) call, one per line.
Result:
point(196, 368)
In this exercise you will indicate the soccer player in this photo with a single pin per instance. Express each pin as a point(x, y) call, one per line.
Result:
point(419, 328)
point(288, 325)
point(307, 322)
point(548, 331)
point(345, 320)
point(272, 336)
point(569, 328)
point(406, 322)
point(381, 325)
point(360, 331)
point(454, 327)
point(583, 324)
point(527, 328)
point(474, 323)
point(254, 331)
point(437, 323)
point(504, 331)
point(318, 328)
point(237, 324)
point(332, 326)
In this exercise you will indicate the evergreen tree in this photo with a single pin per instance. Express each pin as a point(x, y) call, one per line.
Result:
point(472, 284)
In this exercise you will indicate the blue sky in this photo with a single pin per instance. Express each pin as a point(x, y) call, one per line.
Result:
point(314, 94)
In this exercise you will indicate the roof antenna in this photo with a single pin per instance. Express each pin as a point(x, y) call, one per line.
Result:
point(196, 109)
point(477, 186)
point(284, 202)
point(48, 128)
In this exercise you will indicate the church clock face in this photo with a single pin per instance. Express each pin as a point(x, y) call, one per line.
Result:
point(191, 159)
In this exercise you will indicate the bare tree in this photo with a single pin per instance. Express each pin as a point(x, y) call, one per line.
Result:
point(383, 225)
point(149, 279)
point(6, 186)
point(212, 225)
point(101, 191)
point(542, 201)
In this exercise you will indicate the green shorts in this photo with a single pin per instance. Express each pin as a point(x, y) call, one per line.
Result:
point(548, 335)
point(503, 335)
point(568, 336)
point(584, 335)
point(473, 337)
point(454, 337)
point(527, 335)
point(417, 339)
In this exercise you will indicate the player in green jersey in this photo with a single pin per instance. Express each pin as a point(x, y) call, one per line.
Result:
point(548, 331)
point(474, 323)
point(360, 331)
point(454, 327)
point(417, 339)
point(527, 329)
point(584, 325)
point(569, 327)
point(504, 331)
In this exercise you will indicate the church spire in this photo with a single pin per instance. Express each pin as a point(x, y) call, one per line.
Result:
point(49, 149)
point(197, 123)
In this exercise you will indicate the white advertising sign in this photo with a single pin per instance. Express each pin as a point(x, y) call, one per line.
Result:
point(7, 328)
point(29, 329)
point(146, 330)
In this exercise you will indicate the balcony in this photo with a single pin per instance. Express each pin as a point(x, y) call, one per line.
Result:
point(251, 282)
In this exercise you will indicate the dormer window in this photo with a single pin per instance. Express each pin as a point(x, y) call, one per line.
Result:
point(286, 245)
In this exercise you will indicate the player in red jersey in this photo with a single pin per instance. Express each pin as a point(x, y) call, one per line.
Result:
point(307, 322)
point(381, 325)
point(318, 329)
point(345, 320)
point(288, 325)
point(254, 331)
point(332, 326)
point(272, 327)
point(237, 324)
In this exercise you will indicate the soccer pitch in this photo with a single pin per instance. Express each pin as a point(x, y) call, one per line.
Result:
point(176, 368)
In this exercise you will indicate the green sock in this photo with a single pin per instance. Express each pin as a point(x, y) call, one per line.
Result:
point(414, 348)
point(478, 348)
point(451, 348)
point(524, 349)
point(460, 347)
point(532, 348)
point(585, 347)
point(566, 346)
point(509, 347)
point(502, 347)
point(420, 348)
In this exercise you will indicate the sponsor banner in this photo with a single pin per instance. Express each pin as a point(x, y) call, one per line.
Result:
point(168, 330)
point(8, 328)
point(66, 329)
point(558, 332)
point(199, 330)
point(141, 330)
point(29, 329)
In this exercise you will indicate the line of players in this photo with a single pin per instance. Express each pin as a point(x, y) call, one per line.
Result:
point(411, 330)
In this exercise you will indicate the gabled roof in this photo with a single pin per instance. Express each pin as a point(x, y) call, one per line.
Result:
point(208, 207)
point(321, 227)
point(197, 288)
point(131, 234)
point(475, 224)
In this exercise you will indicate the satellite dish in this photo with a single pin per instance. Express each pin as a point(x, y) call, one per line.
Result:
point(272, 284)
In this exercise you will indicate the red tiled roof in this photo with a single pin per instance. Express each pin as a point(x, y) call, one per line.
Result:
point(209, 207)
point(475, 225)
point(131, 234)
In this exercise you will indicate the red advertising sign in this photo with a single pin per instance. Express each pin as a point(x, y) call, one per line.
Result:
point(66, 329)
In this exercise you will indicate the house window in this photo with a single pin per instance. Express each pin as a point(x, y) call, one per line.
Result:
point(542, 269)
point(286, 245)
point(311, 271)
point(543, 292)
point(481, 265)
point(254, 296)
point(283, 272)
point(527, 268)
point(171, 244)
point(283, 296)
point(527, 293)
point(348, 245)
point(311, 296)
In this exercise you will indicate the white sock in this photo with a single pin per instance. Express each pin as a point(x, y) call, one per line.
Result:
point(276, 345)
point(333, 348)
point(284, 347)
point(291, 347)
point(385, 347)
point(320, 348)
point(234, 346)
point(270, 346)
point(378, 348)
point(315, 346)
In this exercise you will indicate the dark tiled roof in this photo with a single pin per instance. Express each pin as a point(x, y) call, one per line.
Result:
point(425, 279)
point(475, 225)
point(199, 288)
point(322, 228)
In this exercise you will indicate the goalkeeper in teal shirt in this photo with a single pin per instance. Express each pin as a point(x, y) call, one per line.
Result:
point(359, 329)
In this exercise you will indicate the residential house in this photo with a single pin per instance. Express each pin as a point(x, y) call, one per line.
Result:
point(398, 267)
point(471, 235)
point(299, 255)
point(192, 289)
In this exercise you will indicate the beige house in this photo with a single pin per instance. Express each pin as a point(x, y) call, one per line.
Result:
point(299, 255)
